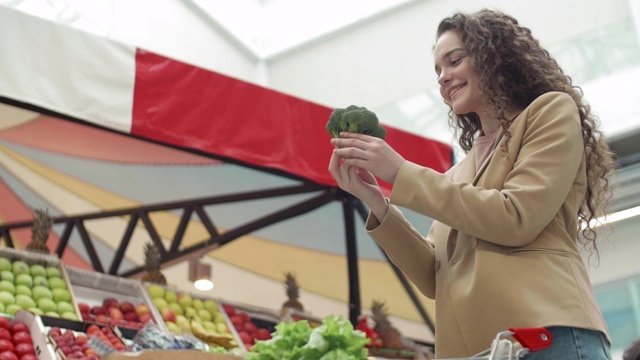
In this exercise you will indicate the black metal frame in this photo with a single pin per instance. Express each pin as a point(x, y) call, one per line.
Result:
point(175, 253)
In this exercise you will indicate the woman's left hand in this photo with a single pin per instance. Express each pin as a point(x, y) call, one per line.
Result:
point(369, 153)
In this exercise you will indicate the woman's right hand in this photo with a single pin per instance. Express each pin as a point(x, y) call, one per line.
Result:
point(359, 183)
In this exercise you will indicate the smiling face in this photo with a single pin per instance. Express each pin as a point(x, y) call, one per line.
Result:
point(459, 84)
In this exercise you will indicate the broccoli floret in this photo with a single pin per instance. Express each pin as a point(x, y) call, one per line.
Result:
point(355, 119)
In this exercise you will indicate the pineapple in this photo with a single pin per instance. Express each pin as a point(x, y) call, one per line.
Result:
point(293, 293)
point(391, 337)
point(152, 265)
point(40, 232)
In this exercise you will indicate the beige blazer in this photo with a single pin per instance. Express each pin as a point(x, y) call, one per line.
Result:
point(502, 249)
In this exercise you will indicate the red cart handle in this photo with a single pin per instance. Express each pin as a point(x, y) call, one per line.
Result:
point(533, 339)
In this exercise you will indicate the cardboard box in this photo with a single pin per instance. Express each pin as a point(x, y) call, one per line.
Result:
point(92, 287)
point(32, 258)
point(44, 350)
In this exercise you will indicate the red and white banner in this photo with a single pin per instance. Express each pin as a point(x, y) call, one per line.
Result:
point(120, 87)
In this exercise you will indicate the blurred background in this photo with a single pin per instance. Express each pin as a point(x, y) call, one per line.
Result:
point(378, 54)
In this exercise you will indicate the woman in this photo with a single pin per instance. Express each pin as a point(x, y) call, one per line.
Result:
point(503, 250)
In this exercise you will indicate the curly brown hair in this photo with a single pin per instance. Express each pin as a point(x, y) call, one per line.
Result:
point(513, 69)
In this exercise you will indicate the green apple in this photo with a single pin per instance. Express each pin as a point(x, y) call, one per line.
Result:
point(36, 311)
point(25, 302)
point(222, 328)
point(190, 312)
point(185, 300)
point(47, 305)
point(61, 295)
point(40, 280)
point(52, 314)
point(7, 286)
point(211, 305)
point(7, 298)
point(23, 290)
point(20, 267)
point(52, 271)
point(171, 296)
point(64, 306)
point(12, 309)
point(172, 327)
point(56, 283)
point(41, 292)
point(176, 308)
point(38, 270)
point(24, 279)
point(7, 275)
point(205, 315)
point(5, 264)
point(1, 308)
point(160, 303)
point(69, 315)
point(197, 304)
point(181, 320)
point(209, 326)
point(219, 318)
point(156, 291)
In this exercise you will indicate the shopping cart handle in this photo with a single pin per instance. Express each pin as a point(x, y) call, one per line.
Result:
point(533, 339)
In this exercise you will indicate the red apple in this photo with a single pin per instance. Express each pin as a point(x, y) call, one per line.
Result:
point(168, 315)
point(101, 319)
point(4, 322)
point(22, 337)
point(24, 348)
point(92, 329)
point(229, 309)
point(18, 326)
point(8, 355)
point(84, 308)
point(245, 337)
point(250, 327)
point(98, 310)
point(144, 318)
point(5, 334)
point(263, 334)
point(110, 302)
point(5, 345)
point(126, 307)
point(28, 357)
point(130, 316)
point(142, 309)
point(115, 313)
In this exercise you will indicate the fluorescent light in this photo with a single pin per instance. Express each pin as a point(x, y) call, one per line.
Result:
point(617, 216)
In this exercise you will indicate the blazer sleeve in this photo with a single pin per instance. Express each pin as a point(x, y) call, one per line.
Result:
point(545, 164)
point(406, 248)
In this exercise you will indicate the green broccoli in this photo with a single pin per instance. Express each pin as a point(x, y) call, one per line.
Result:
point(355, 119)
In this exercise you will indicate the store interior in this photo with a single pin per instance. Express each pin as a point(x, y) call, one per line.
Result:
point(76, 160)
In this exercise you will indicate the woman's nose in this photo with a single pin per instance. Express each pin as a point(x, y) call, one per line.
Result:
point(444, 78)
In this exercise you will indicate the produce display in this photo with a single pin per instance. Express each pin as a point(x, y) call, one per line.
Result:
point(248, 331)
point(85, 345)
point(110, 300)
point(35, 283)
point(15, 341)
point(335, 338)
point(184, 313)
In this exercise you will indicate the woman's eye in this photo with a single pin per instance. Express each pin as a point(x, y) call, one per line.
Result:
point(456, 61)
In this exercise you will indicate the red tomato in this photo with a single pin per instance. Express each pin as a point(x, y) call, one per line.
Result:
point(24, 348)
point(4, 323)
point(18, 326)
point(5, 345)
point(22, 337)
point(8, 355)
